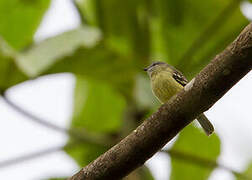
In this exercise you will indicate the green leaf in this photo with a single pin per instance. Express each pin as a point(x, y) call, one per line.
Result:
point(194, 143)
point(84, 153)
point(81, 52)
point(97, 107)
point(10, 73)
point(142, 173)
point(41, 57)
point(247, 174)
point(20, 19)
point(145, 173)
point(101, 64)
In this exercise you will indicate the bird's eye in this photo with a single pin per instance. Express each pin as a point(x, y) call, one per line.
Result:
point(154, 64)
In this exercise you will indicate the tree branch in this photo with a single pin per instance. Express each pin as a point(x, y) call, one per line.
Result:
point(224, 71)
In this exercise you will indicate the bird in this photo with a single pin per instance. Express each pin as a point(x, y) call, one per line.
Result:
point(166, 81)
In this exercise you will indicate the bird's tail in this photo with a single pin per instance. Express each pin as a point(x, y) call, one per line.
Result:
point(205, 124)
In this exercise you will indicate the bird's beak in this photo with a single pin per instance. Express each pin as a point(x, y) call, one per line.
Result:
point(146, 69)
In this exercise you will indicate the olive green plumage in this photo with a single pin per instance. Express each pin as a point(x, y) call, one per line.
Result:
point(166, 81)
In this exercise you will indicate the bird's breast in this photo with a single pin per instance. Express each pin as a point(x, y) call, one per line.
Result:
point(164, 86)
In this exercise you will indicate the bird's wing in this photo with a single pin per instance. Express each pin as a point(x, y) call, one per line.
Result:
point(179, 77)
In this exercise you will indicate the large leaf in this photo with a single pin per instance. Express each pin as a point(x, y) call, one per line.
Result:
point(82, 52)
point(41, 57)
point(99, 63)
point(17, 67)
point(84, 153)
point(10, 74)
point(192, 142)
point(98, 107)
point(20, 19)
point(247, 174)
point(177, 24)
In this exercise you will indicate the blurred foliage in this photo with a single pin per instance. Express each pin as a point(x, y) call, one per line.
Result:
point(20, 20)
point(10, 73)
point(142, 173)
point(83, 153)
point(180, 23)
point(41, 57)
point(123, 23)
point(247, 174)
point(91, 106)
point(107, 54)
point(194, 143)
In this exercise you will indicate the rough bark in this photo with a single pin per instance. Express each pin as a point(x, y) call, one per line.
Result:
point(223, 72)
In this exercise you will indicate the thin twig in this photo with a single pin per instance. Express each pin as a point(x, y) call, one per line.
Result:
point(37, 154)
point(30, 156)
point(207, 33)
point(75, 133)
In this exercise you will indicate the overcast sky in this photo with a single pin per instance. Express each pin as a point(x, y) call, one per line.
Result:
point(50, 97)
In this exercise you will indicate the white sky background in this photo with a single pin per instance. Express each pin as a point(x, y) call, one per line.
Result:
point(50, 97)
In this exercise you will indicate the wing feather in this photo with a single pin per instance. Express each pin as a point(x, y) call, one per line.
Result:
point(179, 77)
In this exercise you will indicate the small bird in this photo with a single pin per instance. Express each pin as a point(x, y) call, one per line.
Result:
point(166, 81)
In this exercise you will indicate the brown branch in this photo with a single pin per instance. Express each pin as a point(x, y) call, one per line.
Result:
point(223, 72)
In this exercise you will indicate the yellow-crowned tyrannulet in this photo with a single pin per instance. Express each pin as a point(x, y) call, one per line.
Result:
point(166, 81)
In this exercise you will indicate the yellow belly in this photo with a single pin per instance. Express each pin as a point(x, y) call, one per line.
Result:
point(164, 86)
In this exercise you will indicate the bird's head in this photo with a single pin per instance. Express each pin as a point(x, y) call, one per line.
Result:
point(156, 67)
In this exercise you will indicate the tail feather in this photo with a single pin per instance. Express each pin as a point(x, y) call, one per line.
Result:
point(205, 124)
